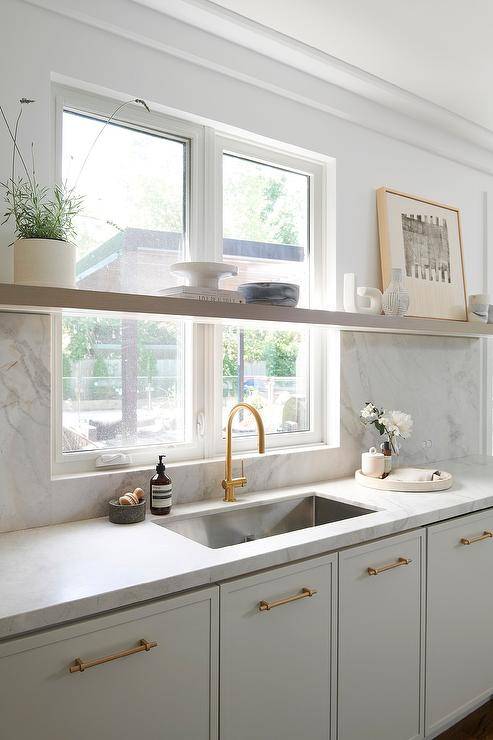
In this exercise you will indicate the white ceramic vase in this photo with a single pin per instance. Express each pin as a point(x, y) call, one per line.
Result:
point(44, 262)
point(395, 301)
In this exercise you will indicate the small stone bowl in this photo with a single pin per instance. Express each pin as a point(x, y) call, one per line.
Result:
point(273, 294)
point(125, 514)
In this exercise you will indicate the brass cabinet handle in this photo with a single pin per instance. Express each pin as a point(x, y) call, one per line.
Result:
point(470, 541)
point(265, 606)
point(82, 665)
point(390, 566)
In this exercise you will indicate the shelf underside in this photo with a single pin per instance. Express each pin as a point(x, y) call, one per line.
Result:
point(34, 299)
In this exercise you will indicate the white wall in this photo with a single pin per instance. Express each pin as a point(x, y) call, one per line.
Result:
point(37, 45)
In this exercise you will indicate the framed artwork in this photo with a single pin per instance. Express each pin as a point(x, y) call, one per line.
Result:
point(424, 239)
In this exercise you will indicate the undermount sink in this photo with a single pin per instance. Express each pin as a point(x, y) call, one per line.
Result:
point(235, 526)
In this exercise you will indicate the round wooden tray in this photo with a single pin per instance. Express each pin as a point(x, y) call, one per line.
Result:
point(384, 484)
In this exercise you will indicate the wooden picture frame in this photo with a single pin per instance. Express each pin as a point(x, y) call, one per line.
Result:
point(424, 239)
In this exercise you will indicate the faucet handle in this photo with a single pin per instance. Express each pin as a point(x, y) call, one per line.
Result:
point(243, 473)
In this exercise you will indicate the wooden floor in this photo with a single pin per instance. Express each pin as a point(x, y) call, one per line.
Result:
point(477, 726)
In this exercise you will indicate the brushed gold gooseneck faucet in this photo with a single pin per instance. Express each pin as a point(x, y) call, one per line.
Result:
point(229, 483)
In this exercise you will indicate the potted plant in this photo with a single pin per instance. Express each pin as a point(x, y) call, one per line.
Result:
point(43, 217)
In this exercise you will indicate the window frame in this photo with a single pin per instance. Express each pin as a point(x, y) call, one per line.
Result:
point(204, 241)
point(314, 171)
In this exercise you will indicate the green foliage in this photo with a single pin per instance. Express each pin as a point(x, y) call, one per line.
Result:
point(83, 335)
point(279, 351)
point(67, 375)
point(100, 390)
point(83, 338)
point(281, 354)
point(147, 362)
point(39, 213)
point(100, 368)
point(263, 205)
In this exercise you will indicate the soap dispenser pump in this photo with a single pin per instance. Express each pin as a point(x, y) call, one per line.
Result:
point(161, 490)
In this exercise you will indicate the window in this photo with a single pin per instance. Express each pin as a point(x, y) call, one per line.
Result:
point(134, 184)
point(271, 371)
point(157, 191)
point(123, 383)
point(265, 223)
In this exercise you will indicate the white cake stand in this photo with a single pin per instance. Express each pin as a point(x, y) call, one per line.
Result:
point(204, 274)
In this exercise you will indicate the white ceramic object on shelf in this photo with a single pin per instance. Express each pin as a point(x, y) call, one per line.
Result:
point(478, 307)
point(360, 300)
point(372, 298)
point(384, 484)
point(373, 463)
point(44, 262)
point(395, 301)
point(204, 274)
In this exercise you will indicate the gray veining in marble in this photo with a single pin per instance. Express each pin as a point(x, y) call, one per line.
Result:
point(94, 574)
point(431, 377)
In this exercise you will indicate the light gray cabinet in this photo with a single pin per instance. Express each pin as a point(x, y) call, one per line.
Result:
point(381, 639)
point(277, 657)
point(168, 692)
point(459, 665)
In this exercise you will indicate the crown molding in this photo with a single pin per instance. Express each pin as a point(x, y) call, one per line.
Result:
point(316, 79)
point(238, 29)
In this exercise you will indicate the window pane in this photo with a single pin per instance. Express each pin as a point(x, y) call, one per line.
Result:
point(270, 370)
point(265, 223)
point(133, 222)
point(123, 383)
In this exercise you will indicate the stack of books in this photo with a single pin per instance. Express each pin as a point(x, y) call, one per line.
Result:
point(203, 294)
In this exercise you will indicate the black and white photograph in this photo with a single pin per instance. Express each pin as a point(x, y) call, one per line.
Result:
point(426, 247)
point(422, 239)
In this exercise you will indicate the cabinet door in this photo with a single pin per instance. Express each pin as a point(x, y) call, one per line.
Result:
point(459, 666)
point(167, 693)
point(381, 639)
point(276, 663)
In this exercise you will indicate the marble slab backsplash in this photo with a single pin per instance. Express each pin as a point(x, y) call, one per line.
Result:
point(436, 379)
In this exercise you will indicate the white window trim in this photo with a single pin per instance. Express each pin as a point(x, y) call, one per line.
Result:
point(315, 171)
point(204, 241)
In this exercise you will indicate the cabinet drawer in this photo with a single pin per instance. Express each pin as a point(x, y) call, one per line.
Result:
point(168, 692)
point(381, 639)
point(459, 665)
point(276, 662)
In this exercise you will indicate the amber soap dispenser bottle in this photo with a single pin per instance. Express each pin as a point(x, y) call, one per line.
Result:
point(161, 490)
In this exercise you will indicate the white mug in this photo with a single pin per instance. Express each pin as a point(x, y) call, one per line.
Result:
point(373, 463)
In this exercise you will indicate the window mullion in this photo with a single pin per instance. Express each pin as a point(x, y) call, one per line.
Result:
point(212, 240)
point(211, 251)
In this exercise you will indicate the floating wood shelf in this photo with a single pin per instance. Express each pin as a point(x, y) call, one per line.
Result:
point(30, 299)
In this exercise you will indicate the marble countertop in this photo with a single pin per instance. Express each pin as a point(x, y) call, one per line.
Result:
point(55, 574)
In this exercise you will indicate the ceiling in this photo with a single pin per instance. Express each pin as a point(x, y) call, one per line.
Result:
point(440, 50)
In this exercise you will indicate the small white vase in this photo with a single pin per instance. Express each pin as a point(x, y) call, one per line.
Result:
point(395, 301)
point(44, 262)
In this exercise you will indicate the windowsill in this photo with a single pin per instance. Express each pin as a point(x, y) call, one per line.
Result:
point(247, 455)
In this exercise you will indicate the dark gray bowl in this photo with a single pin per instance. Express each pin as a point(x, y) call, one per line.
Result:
point(130, 514)
point(273, 294)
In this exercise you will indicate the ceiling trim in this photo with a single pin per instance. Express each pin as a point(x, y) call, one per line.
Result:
point(372, 103)
point(234, 27)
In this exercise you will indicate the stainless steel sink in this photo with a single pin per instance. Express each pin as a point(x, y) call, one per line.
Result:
point(232, 527)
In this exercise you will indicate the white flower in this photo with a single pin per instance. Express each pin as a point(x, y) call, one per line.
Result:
point(369, 413)
point(398, 423)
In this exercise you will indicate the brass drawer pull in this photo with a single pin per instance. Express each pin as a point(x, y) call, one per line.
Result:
point(265, 606)
point(390, 566)
point(81, 665)
point(485, 536)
